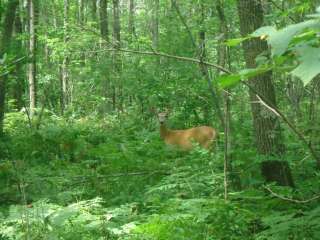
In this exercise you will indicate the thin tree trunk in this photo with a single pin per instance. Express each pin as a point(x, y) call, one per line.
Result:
point(5, 41)
point(131, 22)
point(94, 10)
point(65, 63)
point(32, 5)
point(204, 69)
point(155, 25)
point(224, 60)
point(81, 12)
point(116, 59)
point(104, 30)
point(1, 10)
point(81, 21)
point(19, 82)
point(267, 128)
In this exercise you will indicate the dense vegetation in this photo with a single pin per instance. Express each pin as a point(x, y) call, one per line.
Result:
point(81, 83)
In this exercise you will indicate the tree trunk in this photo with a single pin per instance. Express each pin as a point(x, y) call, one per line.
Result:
point(65, 63)
point(224, 61)
point(1, 10)
point(81, 21)
point(104, 30)
point(94, 10)
point(116, 23)
point(81, 12)
point(32, 5)
point(204, 70)
point(266, 125)
point(131, 23)
point(19, 85)
point(155, 25)
point(116, 59)
point(4, 48)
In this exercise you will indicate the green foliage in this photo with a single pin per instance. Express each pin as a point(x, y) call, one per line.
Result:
point(175, 195)
point(299, 39)
point(100, 169)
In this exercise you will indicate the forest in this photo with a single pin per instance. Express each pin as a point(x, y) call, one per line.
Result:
point(160, 119)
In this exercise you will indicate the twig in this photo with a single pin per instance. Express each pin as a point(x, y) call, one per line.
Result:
point(282, 10)
point(267, 106)
point(10, 64)
point(175, 5)
point(105, 176)
point(28, 114)
point(291, 199)
point(155, 53)
point(275, 110)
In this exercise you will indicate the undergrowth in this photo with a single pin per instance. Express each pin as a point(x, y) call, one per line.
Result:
point(89, 179)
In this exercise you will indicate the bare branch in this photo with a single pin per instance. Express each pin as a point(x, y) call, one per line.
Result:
point(291, 199)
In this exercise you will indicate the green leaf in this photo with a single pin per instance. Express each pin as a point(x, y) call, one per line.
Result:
point(226, 81)
point(60, 217)
point(235, 41)
point(280, 40)
point(309, 66)
point(252, 72)
point(266, 30)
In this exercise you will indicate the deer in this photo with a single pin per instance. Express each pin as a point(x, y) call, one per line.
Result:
point(203, 135)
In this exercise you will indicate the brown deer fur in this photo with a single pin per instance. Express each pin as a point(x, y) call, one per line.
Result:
point(184, 139)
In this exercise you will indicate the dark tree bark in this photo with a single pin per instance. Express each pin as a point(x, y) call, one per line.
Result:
point(4, 48)
point(268, 136)
point(32, 71)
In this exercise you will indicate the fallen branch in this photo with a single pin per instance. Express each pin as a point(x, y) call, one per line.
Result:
point(291, 199)
point(126, 174)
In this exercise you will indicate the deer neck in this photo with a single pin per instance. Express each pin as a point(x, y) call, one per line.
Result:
point(163, 130)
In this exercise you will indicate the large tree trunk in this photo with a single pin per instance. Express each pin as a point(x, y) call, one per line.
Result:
point(4, 47)
point(267, 127)
point(32, 4)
